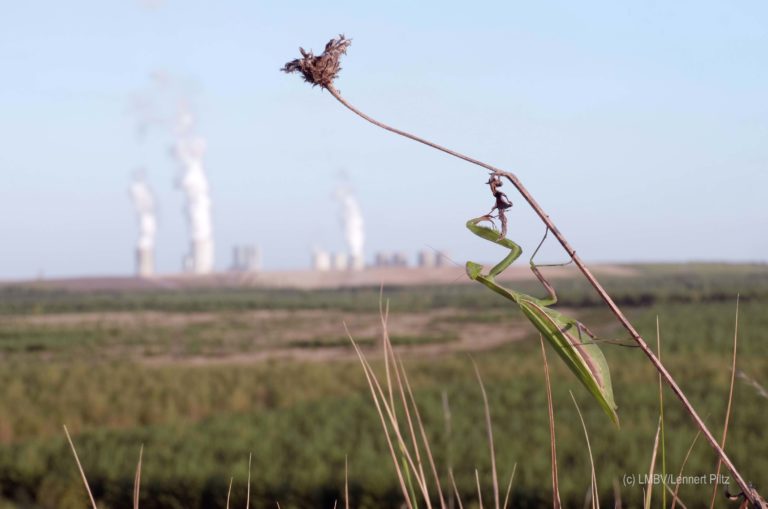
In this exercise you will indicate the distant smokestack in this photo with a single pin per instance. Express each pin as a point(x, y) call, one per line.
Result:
point(321, 260)
point(399, 259)
point(442, 259)
point(144, 203)
point(427, 259)
point(246, 259)
point(340, 261)
point(189, 150)
point(352, 223)
point(386, 259)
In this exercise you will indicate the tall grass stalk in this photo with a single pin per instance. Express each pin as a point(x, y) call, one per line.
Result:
point(682, 469)
point(661, 419)
point(390, 423)
point(489, 428)
point(455, 489)
point(137, 480)
point(248, 492)
point(728, 408)
point(80, 468)
point(346, 482)
point(759, 389)
point(652, 468)
point(552, 441)
point(509, 486)
point(448, 441)
point(593, 483)
point(479, 491)
point(407, 494)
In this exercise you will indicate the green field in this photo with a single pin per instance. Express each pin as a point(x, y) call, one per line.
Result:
point(204, 378)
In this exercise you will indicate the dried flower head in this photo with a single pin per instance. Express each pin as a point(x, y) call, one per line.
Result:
point(320, 70)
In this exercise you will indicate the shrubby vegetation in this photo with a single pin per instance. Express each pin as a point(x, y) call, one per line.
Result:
point(198, 423)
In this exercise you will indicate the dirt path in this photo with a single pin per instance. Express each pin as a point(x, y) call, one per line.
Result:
point(472, 338)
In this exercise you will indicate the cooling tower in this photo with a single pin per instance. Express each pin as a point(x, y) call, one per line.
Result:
point(321, 260)
point(353, 226)
point(189, 152)
point(145, 262)
point(144, 204)
point(427, 259)
point(340, 261)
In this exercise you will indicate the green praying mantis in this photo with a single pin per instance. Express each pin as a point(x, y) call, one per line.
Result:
point(579, 351)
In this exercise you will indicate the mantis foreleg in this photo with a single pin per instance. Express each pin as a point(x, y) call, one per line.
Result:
point(492, 235)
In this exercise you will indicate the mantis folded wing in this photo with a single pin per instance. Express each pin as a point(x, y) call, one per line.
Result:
point(581, 354)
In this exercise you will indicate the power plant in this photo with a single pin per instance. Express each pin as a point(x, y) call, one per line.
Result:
point(354, 231)
point(321, 260)
point(188, 151)
point(246, 259)
point(144, 204)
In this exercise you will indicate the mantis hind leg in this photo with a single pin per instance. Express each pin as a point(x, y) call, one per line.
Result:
point(551, 298)
point(580, 327)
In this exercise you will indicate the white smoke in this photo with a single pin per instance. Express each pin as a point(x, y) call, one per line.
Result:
point(144, 203)
point(165, 106)
point(189, 150)
point(352, 224)
point(154, 106)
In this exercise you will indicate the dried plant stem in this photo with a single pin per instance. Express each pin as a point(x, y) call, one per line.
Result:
point(759, 389)
point(652, 468)
point(730, 401)
point(490, 437)
point(553, 443)
point(137, 480)
point(388, 352)
point(423, 433)
point(80, 467)
point(674, 496)
point(479, 491)
point(248, 493)
point(682, 468)
point(370, 379)
point(661, 417)
point(346, 482)
point(383, 408)
point(748, 491)
point(616, 494)
point(455, 489)
point(509, 486)
point(593, 482)
point(448, 449)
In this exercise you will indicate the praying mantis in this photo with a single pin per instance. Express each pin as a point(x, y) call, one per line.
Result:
point(579, 351)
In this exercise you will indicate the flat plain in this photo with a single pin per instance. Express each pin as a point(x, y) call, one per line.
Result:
point(203, 373)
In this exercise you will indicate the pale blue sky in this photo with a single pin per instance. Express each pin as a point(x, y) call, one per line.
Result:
point(641, 129)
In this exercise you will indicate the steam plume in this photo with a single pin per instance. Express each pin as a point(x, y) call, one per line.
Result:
point(352, 223)
point(189, 150)
point(144, 203)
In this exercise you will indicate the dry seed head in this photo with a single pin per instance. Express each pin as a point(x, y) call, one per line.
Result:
point(323, 69)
